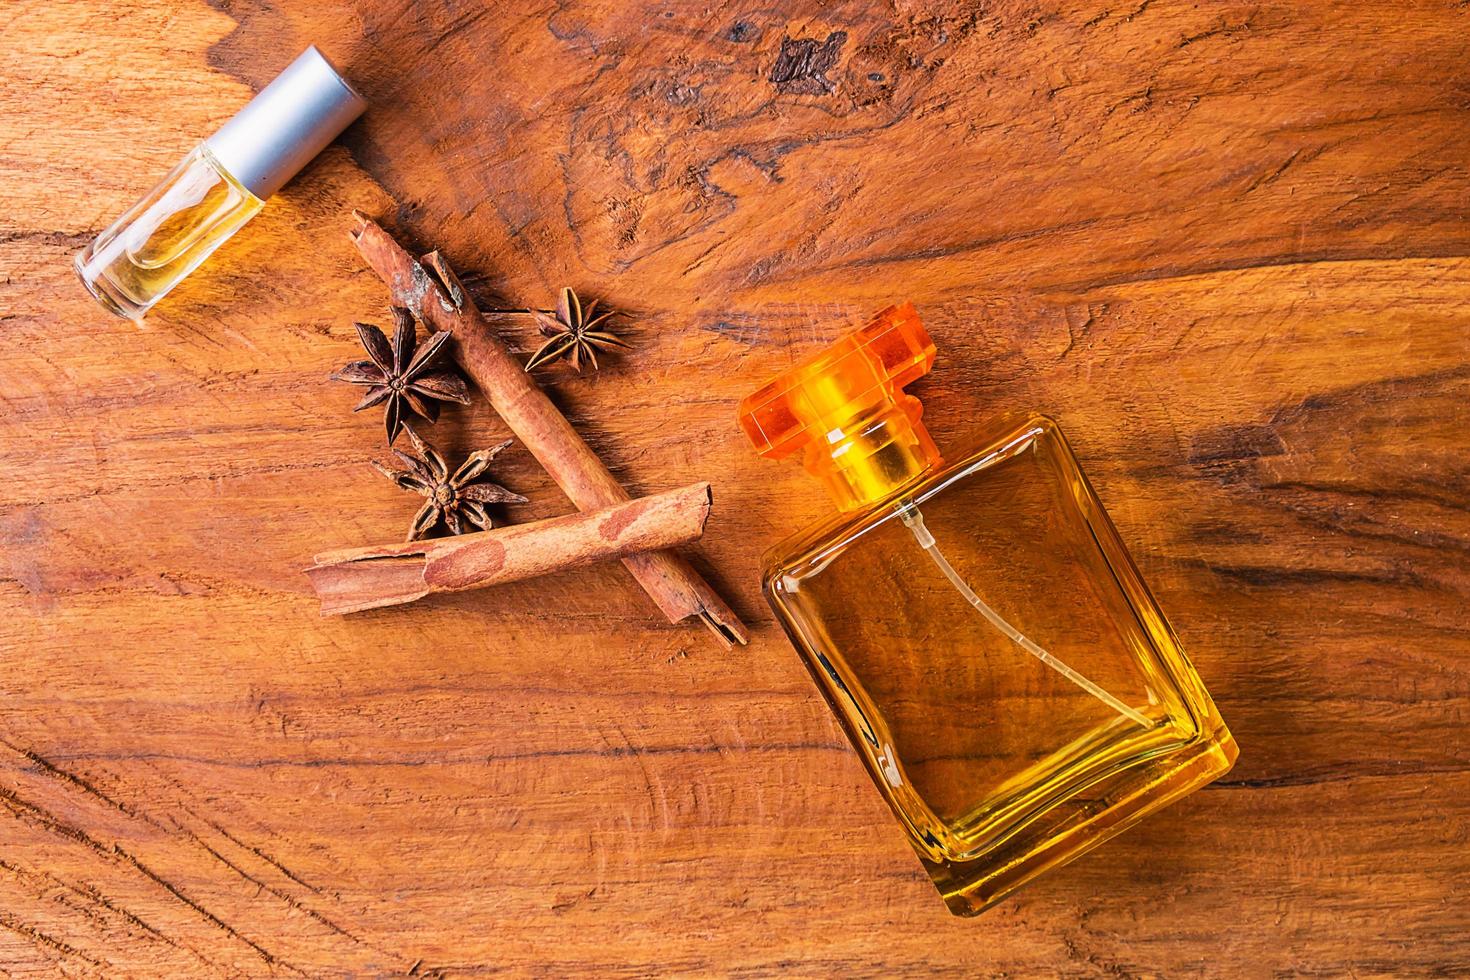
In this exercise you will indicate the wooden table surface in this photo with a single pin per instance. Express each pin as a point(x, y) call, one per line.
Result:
point(1224, 243)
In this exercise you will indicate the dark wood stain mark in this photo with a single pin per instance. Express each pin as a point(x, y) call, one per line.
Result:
point(742, 32)
point(803, 63)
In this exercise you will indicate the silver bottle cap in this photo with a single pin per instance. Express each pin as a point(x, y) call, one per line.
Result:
point(289, 122)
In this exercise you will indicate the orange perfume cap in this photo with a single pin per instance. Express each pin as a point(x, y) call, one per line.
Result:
point(846, 408)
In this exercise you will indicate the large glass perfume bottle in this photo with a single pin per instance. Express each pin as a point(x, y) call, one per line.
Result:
point(976, 624)
point(218, 187)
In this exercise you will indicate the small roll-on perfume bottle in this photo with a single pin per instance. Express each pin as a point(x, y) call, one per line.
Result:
point(976, 623)
point(218, 187)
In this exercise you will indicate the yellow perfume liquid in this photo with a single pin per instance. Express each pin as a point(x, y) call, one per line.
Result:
point(977, 626)
point(161, 239)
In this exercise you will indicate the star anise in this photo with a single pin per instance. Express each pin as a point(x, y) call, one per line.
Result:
point(454, 497)
point(575, 333)
point(401, 377)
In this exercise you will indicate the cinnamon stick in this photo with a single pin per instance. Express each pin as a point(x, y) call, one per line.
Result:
point(352, 579)
point(438, 299)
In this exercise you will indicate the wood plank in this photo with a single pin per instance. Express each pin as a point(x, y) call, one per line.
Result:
point(1224, 244)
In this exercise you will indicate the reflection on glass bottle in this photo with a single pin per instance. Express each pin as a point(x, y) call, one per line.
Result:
point(165, 236)
point(218, 187)
point(976, 625)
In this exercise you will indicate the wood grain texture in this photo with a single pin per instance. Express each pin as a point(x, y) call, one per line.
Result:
point(1224, 243)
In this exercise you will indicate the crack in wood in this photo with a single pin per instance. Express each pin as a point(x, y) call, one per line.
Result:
point(48, 942)
point(25, 810)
